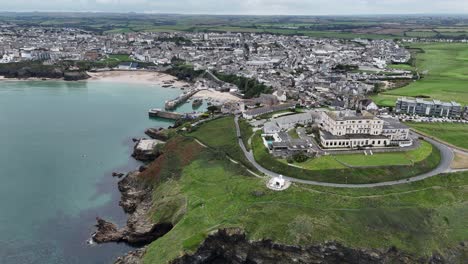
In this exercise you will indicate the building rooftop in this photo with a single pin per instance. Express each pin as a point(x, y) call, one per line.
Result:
point(349, 115)
point(390, 123)
point(428, 102)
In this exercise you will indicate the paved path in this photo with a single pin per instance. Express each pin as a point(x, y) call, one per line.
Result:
point(446, 154)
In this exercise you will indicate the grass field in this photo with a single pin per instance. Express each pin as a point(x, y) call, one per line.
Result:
point(211, 193)
point(361, 160)
point(446, 79)
point(405, 67)
point(386, 159)
point(322, 163)
point(220, 134)
point(455, 134)
point(385, 167)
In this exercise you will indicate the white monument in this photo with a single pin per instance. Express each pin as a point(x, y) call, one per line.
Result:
point(278, 183)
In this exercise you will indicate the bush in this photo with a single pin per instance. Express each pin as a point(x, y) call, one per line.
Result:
point(300, 157)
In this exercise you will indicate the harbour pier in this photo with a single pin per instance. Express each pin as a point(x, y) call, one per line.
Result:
point(156, 112)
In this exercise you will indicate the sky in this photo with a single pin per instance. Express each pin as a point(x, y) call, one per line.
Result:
point(244, 7)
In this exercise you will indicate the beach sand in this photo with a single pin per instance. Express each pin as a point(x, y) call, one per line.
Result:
point(138, 77)
point(158, 78)
point(217, 96)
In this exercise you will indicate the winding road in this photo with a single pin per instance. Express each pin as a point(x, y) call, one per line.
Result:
point(446, 153)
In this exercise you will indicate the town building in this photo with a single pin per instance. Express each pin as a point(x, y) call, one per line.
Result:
point(352, 129)
point(249, 114)
point(422, 107)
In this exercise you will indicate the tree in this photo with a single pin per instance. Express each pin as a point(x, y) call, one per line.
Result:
point(212, 109)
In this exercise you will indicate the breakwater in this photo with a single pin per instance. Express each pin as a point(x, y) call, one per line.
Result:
point(174, 103)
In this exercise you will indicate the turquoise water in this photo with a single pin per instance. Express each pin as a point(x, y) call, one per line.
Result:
point(59, 144)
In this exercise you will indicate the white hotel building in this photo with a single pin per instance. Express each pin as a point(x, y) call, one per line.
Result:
point(349, 129)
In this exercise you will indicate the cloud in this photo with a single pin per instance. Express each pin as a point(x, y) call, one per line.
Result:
point(261, 7)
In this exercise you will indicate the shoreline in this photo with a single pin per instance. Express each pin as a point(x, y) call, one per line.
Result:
point(138, 77)
point(144, 78)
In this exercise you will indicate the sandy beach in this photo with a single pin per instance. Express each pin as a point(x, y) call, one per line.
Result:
point(138, 77)
point(146, 77)
point(217, 96)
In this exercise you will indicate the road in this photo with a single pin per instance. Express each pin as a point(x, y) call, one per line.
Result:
point(446, 154)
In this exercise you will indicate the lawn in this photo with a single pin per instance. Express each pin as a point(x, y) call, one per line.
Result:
point(453, 133)
point(386, 167)
point(385, 159)
point(446, 74)
point(361, 160)
point(322, 163)
point(405, 67)
point(211, 193)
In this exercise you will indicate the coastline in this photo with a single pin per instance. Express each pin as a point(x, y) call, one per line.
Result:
point(145, 78)
point(137, 77)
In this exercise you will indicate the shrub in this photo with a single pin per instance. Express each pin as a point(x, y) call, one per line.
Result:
point(300, 157)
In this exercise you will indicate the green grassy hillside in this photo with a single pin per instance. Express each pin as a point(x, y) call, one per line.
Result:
point(208, 192)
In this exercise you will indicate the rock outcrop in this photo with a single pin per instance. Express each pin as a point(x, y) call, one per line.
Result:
point(146, 150)
point(75, 75)
point(132, 257)
point(136, 201)
point(24, 70)
point(230, 246)
point(157, 133)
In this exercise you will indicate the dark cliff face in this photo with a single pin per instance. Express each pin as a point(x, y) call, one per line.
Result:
point(136, 201)
point(24, 70)
point(230, 246)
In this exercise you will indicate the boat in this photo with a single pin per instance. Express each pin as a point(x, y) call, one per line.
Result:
point(197, 103)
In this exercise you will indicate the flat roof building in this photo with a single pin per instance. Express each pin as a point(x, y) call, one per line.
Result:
point(423, 107)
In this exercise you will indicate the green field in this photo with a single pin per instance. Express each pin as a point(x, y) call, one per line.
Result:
point(386, 159)
point(361, 160)
point(385, 166)
point(322, 163)
point(446, 79)
point(453, 133)
point(405, 67)
point(220, 134)
point(211, 193)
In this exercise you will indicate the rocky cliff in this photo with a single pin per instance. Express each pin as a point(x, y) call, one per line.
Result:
point(25, 70)
point(136, 201)
point(230, 246)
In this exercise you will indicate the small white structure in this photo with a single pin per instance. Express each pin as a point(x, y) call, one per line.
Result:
point(278, 183)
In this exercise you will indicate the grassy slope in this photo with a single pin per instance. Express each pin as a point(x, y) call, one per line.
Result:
point(220, 134)
point(456, 134)
point(246, 132)
point(213, 193)
point(447, 77)
point(338, 174)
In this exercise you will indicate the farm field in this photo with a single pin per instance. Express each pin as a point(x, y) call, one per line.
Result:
point(453, 133)
point(445, 69)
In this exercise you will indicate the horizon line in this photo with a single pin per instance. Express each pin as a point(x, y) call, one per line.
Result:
point(233, 14)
